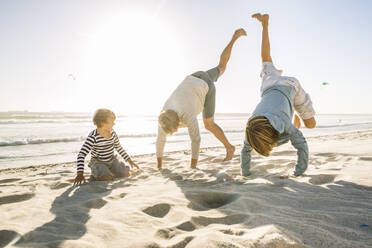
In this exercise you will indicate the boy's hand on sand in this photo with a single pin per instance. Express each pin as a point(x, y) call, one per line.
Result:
point(132, 164)
point(79, 179)
point(297, 122)
point(240, 32)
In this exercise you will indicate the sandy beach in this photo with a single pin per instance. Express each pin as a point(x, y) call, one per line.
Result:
point(212, 206)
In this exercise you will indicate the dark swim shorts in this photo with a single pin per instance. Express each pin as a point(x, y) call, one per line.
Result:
point(209, 77)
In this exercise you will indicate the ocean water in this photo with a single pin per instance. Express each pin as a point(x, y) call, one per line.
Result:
point(28, 138)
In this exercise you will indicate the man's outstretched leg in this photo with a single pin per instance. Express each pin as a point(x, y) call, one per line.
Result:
point(208, 113)
point(212, 127)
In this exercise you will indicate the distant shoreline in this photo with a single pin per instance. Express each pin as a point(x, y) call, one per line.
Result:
point(185, 151)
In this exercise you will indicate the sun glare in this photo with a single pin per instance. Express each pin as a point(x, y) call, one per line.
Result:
point(127, 58)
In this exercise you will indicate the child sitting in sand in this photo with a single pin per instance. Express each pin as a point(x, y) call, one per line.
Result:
point(102, 142)
point(270, 124)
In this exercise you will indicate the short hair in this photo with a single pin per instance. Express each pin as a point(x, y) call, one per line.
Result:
point(261, 135)
point(168, 120)
point(101, 116)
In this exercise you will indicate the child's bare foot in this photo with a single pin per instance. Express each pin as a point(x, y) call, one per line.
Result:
point(264, 19)
point(229, 153)
point(105, 178)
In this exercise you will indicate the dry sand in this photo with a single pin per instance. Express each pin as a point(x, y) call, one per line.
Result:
point(212, 206)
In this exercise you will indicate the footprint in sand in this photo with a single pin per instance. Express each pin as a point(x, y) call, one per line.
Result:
point(233, 232)
point(198, 175)
point(187, 226)
point(227, 220)
point(120, 196)
point(176, 177)
point(52, 178)
point(202, 201)
point(96, 203)
point(365, 158)
point(158, 210)
point(167, 158)
point(152, 170)
point(202, 160)
point(166, 233)
point(315, 161)
point(143, 177)
point(321, 179)
point(60, 185)
point(330, 157)
point(181, 244)
point(10, 180)
point(15, 198)
point(195, 222)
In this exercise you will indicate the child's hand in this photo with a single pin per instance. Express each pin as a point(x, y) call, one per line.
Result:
point(132, 164)
point(79, 179)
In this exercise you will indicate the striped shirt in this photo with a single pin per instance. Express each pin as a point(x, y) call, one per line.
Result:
point(101, 148)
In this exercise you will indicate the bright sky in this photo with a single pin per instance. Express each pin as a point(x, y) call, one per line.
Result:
point(79, 55)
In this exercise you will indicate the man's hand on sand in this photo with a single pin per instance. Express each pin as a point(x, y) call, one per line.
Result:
point(239, 32)
point(79, 179)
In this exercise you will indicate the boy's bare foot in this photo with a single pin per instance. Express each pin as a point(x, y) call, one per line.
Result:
point(229, 153)
point(105, 178)
point(264, 19)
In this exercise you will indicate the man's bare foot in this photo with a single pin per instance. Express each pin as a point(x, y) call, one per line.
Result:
point(264, 19)
point(297, 122)
point(229, 153)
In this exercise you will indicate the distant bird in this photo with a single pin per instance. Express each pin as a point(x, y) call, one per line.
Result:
point(72, 76)
point(325, 83)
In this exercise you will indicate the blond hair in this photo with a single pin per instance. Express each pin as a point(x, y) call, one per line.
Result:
point(261, 135)
point(168, 120)
point(101, 116)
